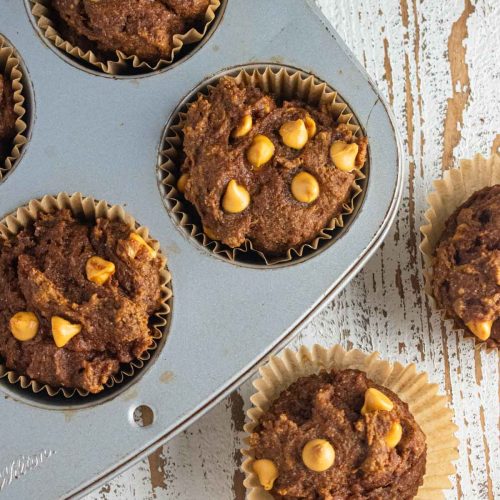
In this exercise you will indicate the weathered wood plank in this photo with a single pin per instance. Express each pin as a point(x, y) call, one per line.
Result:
point(437, 64)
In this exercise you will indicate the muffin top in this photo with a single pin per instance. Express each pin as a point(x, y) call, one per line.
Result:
point(7, 117)
point(338, 435)
point(136, 27)
point(75, 300)
point(466, 270)
point(273, 172)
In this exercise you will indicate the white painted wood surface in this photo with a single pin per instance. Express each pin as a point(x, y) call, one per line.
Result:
point(438, 64)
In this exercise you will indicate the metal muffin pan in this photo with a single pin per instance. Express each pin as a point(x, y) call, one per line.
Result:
point(101, 136)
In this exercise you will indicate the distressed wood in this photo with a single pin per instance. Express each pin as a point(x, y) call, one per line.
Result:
point(437, 64)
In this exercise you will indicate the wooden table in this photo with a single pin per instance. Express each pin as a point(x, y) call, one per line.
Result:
point(438, 64)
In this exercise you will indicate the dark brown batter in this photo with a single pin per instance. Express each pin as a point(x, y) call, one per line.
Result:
point(274, 221)
point(42, 270)
point(327, 406)
point(136, 27)
point(466, 273)
point(7, 118)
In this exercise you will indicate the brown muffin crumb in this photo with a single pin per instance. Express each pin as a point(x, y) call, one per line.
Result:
point(43, 271)
point(466, 271)
point(328, 406)
point(274, 220)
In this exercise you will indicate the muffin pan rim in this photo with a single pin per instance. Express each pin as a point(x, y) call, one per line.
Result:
point(62, 158)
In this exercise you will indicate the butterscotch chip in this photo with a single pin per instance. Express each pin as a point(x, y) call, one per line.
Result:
point(465, 279)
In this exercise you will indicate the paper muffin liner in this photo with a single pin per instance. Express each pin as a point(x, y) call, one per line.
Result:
point(11, 70)
point(456, 186)
point(88, 209)
point(284, 83)
point(429, 409)
point(123, 63)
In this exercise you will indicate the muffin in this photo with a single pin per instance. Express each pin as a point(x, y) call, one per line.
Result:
point(76, 300)
point(466, 270)
point(144, 28)
point(8, 118)
point(270, 171)
point(337, 434)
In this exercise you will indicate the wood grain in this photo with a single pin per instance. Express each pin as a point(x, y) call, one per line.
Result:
point(437, 64)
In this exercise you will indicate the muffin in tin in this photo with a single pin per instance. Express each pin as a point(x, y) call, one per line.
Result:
point(466, 269)
point(337, 434)
point(76, 300)
point(272, 171)
point(8, 118)
point(142, 28)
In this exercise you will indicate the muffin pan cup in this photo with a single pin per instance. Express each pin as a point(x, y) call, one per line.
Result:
point(456, 186)
point(123, 64)
point(10, 67)
point(102, 136)
point(428, 408)
point(89, 210)
point(285, 84)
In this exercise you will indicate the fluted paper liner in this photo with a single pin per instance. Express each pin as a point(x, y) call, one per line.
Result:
point(456, 186)
point(429, 409)
point(283, 83)
point(11, 69)
point(42, 10)
point(88, 209)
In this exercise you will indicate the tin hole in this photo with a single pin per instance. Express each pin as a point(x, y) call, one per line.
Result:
point(143, 416)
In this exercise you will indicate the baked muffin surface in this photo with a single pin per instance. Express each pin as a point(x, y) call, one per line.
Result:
point(7, 117)
point(136, 27)
point(328, 406)
point(44, 271)
point(466, 271)
point(274, 220)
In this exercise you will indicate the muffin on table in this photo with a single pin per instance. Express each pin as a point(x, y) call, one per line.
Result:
point(75, 300)
point(338, 435)
point(144, 28)
point(8, 118)
point(466, 270)
point(273, 172)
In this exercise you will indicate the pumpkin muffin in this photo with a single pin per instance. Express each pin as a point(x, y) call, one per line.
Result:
point(144, 28)
point(76, 300)
point(7, 118)
point(273, 172)
point(338, 435)
point(466, 270)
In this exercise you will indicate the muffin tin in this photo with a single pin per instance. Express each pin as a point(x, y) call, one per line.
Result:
point(102, 136)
